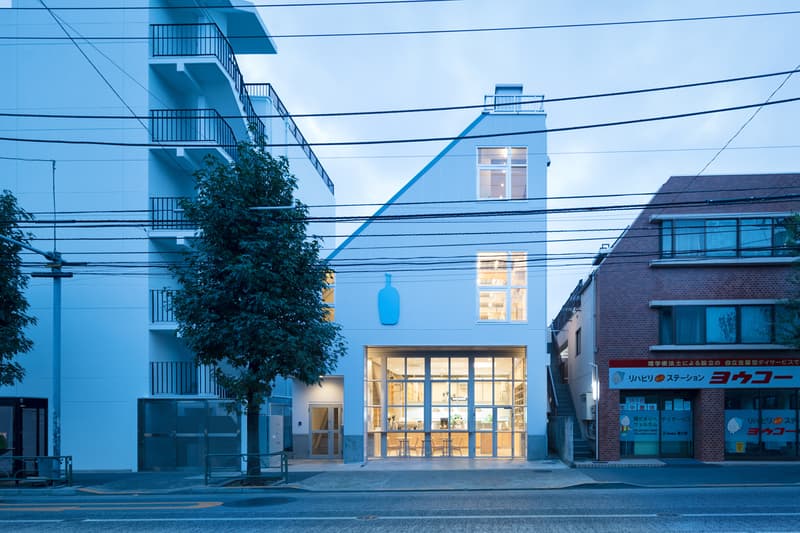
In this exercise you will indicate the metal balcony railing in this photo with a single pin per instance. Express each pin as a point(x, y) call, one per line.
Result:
point(166, 213)
point(193, 40)
point(161, 309)
point(183, 378)
point(192, 126)
point(513, 103)
point(265, 90)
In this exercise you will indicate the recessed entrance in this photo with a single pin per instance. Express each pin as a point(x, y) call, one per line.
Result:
point(326, 431)
point(456, 404)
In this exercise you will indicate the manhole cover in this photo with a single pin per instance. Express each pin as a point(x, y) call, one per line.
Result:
point(259, 502)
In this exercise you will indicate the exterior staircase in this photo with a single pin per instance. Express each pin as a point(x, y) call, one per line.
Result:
point(581, 449)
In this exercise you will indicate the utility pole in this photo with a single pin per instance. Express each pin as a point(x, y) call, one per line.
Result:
point(55, 264)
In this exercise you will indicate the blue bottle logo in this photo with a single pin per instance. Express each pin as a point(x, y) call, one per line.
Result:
point(389, 303)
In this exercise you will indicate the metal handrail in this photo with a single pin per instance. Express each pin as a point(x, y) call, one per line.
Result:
point(232, 466)
point(161, 309)
point(166, 213)
point(266, 90)
point(191, 40)
point(184, 378)
point(513, 103)
point(48, 468)
point(192, 125)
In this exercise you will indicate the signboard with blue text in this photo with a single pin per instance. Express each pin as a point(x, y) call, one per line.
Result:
point(716, 373)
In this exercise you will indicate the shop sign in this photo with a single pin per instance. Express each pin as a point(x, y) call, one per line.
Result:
point(718, 373)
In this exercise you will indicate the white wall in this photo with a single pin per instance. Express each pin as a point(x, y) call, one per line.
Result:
point(439, 307)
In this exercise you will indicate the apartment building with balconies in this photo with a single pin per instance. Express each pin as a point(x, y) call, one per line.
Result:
point(109, 111)
point(674, 346)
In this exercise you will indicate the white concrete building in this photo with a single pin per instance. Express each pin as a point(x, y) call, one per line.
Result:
point(441, 298)
point(142, 95)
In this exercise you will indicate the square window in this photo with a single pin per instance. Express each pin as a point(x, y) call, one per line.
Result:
point(756, 324)
point(721, 325)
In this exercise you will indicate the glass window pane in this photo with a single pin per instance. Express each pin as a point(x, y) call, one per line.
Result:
point(502, 368)
point(415, 368)
point(503, 419)
point(721, 325)
point(483, 367)
point(519, 156)
point(483, 418)
point(756, 237)
point(439, 367)
point(502, 393)
point(374, 393)
point(415, 418)
point(689, 237)
point(458, 418)
point(782, 237)
point(665, 335)
point(519, 269)
point(493, 183)
point(787, 323)
point(721, 237)
point(519, 368)
point(459, 368)
point(483, 392)
point(519, 182)
point(395, 368)
point(666, 238)
point(396, 418)
point(492, 305)
point(756, 323)
point(415, 391)
point(519, 393)
point(375, 368)
point(492, 156)
point(492, 270)
point(689, 325)
point(440, 392)
point(397, 393)
point(440, 418)
point(519, 307)
point(375, 419)
point(459, 392)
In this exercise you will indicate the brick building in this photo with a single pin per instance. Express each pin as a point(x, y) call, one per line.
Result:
point(678, 335)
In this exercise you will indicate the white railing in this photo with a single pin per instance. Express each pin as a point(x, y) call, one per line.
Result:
point(513, 103)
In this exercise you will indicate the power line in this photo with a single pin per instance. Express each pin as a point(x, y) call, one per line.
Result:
point(460, 215)
point(746, 122)
point(516, 102)
point(420, 139)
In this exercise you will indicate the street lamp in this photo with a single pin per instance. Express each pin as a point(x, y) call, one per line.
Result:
point(56, 262)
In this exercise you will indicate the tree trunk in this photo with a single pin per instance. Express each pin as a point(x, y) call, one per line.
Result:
point(253, 459)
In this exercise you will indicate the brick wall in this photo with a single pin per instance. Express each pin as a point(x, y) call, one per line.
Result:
point(627, 283)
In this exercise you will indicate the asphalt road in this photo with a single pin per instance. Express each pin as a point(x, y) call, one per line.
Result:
point(616, 510)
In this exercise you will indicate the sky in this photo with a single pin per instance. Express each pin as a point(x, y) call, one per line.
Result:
point(336, 74)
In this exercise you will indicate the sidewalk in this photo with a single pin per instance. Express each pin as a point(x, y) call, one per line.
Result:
point(443, 474)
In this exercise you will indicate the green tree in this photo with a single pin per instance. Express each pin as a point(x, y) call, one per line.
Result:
point(13, 305)
point(789, 322)
point(250, 303)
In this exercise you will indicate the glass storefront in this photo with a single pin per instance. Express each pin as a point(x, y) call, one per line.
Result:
point(459, 405)
point(761, 423)
point(655, 424)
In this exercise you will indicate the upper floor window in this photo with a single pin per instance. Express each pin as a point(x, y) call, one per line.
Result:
point(725, 237)
point(722, 324)
point(502, 286)
point(328, 300)
point(578, 342)
point(502, 173)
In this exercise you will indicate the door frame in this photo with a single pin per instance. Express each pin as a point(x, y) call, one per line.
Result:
point(332, 432)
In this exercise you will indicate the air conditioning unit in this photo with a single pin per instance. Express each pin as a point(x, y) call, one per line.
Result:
point(586, 409)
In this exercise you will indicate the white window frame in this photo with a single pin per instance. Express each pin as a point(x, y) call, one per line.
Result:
point(508, 167)
point(507, 289)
